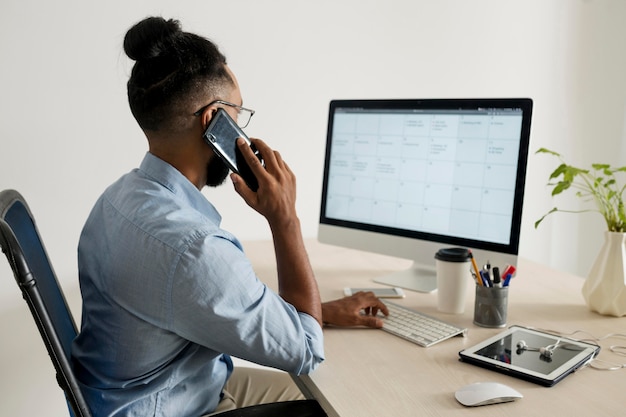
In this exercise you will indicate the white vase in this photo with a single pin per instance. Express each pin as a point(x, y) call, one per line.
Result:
point(604, 289)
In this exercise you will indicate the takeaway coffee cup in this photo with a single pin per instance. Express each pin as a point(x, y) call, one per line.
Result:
point(453, 275)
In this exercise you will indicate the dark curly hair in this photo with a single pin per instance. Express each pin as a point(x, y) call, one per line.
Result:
point(173, 72)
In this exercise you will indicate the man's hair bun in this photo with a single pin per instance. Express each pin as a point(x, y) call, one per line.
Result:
point(150, 38)
point(173, 72)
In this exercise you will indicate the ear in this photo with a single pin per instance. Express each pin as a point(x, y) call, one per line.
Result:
point(207, 115)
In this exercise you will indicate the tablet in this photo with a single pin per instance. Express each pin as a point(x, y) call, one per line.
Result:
point(533, 355)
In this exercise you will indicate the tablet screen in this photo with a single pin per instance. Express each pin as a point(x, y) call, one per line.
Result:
point(538, 356)
point(507, 350)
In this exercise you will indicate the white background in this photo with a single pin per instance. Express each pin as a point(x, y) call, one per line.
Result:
point(66, 131)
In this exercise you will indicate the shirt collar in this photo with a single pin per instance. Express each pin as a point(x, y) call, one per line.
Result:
point(172, 179)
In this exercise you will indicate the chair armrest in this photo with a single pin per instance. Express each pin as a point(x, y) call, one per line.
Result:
point(299, 408)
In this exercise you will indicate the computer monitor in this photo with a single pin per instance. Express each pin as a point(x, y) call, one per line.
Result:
point(408, 177)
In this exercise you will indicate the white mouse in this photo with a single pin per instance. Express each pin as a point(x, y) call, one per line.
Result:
point(484, 393)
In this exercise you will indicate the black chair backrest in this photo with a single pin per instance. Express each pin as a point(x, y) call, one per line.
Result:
point(22, 245)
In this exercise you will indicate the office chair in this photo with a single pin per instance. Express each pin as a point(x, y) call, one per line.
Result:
point(33, 272)
point(25, 251)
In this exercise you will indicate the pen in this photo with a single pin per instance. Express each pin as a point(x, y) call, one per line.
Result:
point(486, 274)
point(497, 282)
point(507, 280)
point(486, 280)
point(476, 271)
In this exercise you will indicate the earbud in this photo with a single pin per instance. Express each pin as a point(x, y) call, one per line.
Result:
point(546, 351)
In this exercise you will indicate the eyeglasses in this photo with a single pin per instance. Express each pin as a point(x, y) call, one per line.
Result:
point(243, 114)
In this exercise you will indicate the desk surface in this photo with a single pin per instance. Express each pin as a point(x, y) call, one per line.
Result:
point(368, 372)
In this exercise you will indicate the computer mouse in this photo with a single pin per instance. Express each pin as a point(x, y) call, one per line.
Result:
point(485, 393)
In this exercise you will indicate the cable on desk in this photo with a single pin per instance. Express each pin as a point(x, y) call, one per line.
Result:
point(595, 363)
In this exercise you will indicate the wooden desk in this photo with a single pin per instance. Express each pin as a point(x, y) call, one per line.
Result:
point(368, 372)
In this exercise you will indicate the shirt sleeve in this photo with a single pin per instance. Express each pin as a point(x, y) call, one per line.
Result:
point(217, 301)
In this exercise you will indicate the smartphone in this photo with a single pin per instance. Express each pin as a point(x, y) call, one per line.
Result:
point(221, 135)
point(378, 292)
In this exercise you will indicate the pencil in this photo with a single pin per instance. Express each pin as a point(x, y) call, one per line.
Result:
point(476, 271)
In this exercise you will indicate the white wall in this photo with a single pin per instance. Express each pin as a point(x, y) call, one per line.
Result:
point(67, 133)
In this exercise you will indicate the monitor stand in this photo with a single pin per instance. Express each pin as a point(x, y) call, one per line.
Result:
point(416, 278)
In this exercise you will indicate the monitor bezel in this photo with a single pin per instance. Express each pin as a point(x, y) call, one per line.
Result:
point(525, 104)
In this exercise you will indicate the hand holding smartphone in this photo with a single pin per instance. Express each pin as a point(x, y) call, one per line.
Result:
point(221, 135)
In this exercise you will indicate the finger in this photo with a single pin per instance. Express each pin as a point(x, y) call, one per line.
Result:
point(370, 321)
point(373, 311)
point(374, 302)
point(279, 159)
point(242, 188)
point(382, 307)
point(281, 163)
point(267, 153)
point(275, 165)
point(289, 171)
point(250, 158)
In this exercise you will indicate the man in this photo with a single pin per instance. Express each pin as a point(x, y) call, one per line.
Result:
point(168, 295)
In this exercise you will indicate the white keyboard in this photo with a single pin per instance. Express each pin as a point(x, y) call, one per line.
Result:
point(417, 327)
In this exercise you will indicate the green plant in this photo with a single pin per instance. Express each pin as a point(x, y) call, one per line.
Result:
point(598, 184)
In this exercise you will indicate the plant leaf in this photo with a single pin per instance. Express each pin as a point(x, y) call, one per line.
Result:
point(560, 170)
point(545, 215)
point(598, 185)
point(621, 213)
point(560, 187)
point(544, 150)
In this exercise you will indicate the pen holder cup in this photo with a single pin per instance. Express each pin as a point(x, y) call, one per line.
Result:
point(490, 306)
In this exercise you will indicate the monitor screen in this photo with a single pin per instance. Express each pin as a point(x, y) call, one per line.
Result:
point(408, 177)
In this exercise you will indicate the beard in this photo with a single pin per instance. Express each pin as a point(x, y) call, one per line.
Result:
point(216, 172)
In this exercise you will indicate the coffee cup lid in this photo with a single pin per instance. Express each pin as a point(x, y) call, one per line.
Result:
point(453, 254)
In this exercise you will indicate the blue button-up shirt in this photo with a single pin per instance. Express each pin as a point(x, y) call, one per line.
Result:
point(168, 296)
